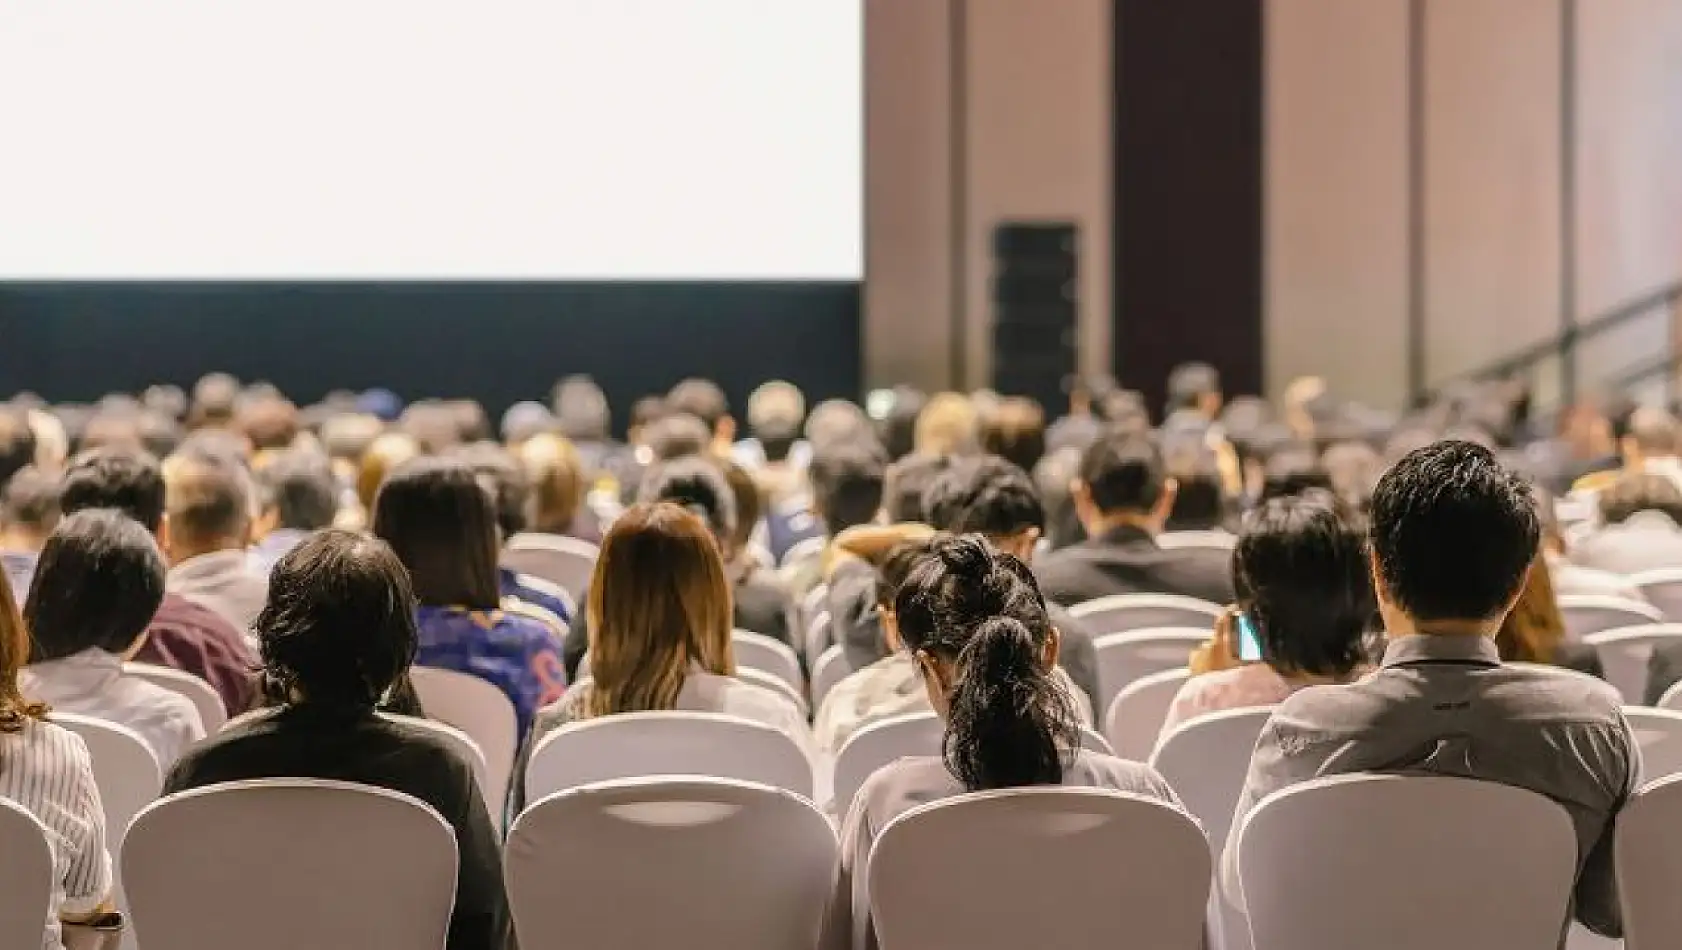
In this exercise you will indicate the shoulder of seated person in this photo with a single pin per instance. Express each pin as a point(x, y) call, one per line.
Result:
point(1595, 481)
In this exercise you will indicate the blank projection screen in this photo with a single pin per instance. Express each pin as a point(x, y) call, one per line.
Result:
point(493, 139)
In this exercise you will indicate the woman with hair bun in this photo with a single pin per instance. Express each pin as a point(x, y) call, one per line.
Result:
point(975, 623)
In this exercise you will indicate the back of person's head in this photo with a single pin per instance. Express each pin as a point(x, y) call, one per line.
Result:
point(898, 564)
point(1123, 473)
point(749, 502)
point(985, 495)
point(209, 499)
point(776, 411)
point(582, 409)
point(29, 503)
point(695, 483)
point(526, 420)
point(977, 627)
point(645, 412)
point(15, 710)
point(676, 436)
point(897, 426)
point(506, 479)
point(948, 425)
point(215, 399)
point(847, 483)
point(347, 435)
point(159, 434)
point(557, 481)
point(1053, 477)
point(339, 625)
point(1452, 534)
point(702, 399)
point(111, 429)
point(1195, 386)
point(1641, 491)
point(838, 422)
point(130, 481)
point(1015, 431)
point(1292, 471)
point(17, 443)
point(1300, 572)
point(270, 423)
point(904, 483)
point(1200, 502)
point(434, 426)
point(385, 454)
point(659, 606)
point(298, 491)
point(440, 519)
point(1533, 630)
point(472, 423)
point(1653, 433)
point(98, 583)
point(1353, 468)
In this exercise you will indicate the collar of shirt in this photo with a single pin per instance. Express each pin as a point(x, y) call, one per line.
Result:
point(1430, 648)
point(207, 566)
point(1127, 534)
point(87, 672)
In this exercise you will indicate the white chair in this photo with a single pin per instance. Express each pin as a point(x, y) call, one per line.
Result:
point(204, 698)
point(1625, 651)
point(562, 561)
point(1123, 612)
point(465, 747)
point(1418, 878)
point(1663, 589)
point(831, 668)
point(812, 604)
point(818, 634)
point(478, 708)
point(278, 864)
point(1040, 867)
point(774, 683)
point(1135, 716)
point(1180, 540)
point(1126, 657)
point(635, 745)
point(1591, 613)
point(1659, 733)
point(26, 877)
point(124, 768)
point(768, 654)
point(804, 550)
point(1650, 865)
point(1205, 761)
point(735, 865)
point(1672, 698)
point(882, 743)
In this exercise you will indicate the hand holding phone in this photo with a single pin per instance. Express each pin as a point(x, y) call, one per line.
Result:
point(1249, 639)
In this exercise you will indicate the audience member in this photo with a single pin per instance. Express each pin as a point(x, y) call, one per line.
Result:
point(17, 443)
point(1123, 496)
point(45, 769)
point(703, 399)
point(558, 489)
point(978, 632)
point(1015, 431)
point(385, 455)
point(1055, 477)
point(28, 512)
point(1197, 387)
point(948, 425)
point(499, 471)
point(1200, 497)
point(1300, 572)
point(100, 582)
point(1567, 577)
point(660, 624)
point(524, 421)
point(904, 484)
point(896, 423)
point(215, 397)
point(337, 634)
point(1292, 470)
point(838, 422)
point(209, 501)
point(441, 522)
point(774, 450)
point(183, 634)
point(1649, 440)
point(1353, 468)
point(847, 484)
point(297, 496)
point(1642, 515)
point(1452, 538)
point(1534, 630)
point(269, 423)
point(585, 419)
point(675, 436)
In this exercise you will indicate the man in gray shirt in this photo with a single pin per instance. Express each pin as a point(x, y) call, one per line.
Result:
point(1452, 538)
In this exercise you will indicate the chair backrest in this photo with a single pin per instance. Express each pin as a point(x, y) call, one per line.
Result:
point(1672, 698)
point(1591, 613)
point(1135, 717)
point(881, 743)
point(1040, 867)
point(1123, 612)
point(277, 864)
point(1659, 733)
point(735, 865)
point(1624, 652)
point(465, 747)
point(124, 768)
point(818, 634)
point(26, 877)
point(804, 550)
point(636, 745)
point(830, 668)
point(776, 684)
point(1124, 658)
point(478, 708)
point(1179, 540)
point(1663, 589)
point(1418, 878)
point(1649, 865)
point(768, 654)
point(565, 562)
point(203, 696)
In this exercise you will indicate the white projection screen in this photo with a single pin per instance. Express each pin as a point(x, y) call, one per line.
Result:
point(374, 140)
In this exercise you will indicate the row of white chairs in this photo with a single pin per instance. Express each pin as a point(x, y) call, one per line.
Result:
point(1455, 865)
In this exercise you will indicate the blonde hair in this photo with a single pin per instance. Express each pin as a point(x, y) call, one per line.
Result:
point(659, 604)
point(948, 425)
point(557, 480)
point(14, 653)
point(385, 453)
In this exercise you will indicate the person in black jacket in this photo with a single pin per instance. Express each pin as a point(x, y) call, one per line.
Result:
point(1123, 496)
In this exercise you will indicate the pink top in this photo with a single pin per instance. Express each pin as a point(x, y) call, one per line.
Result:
point(1253, 684)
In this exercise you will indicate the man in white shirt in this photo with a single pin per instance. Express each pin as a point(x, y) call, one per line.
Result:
point(208, 506)
point(1642, 512)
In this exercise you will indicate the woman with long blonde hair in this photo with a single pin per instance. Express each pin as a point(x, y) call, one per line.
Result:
point(660, 621)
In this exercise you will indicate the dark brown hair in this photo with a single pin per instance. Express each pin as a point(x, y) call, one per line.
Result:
point(441, 521)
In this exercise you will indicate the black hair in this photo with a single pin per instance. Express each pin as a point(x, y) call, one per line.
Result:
point(339, 625)
point(1052, 477)
point(1300, 572)
point(777, 439)
point(697, 484)
point(897, 565)
point(749, 502)
point(440, 520)
point(298, 486)
point(29, 500)
point(904, 483)
point(1292, 471)
point(702, 399)
point(1200, 497)
point(1123, 472)
point(1641, 491)
point(847, 482)
point(98, 583)
point(1015, 431)
point(1190, 382)
point(130, 481)
point(582, 409)
point(983, 495)
point(897, 429)
point(1011, 723)
point(506, 479)
point(17, 443)
point(676, 436)
point(1452, 533)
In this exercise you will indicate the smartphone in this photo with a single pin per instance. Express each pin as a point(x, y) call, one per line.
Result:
point(1249, 644)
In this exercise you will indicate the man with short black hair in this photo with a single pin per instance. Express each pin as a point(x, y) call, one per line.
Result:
point(28, 512)
point(1196, 387)
point(1123, 496)
point(1452, 538)
point(209, 501)
point(298, 497)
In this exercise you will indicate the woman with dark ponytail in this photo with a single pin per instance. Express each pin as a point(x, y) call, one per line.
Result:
point(976, 625)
